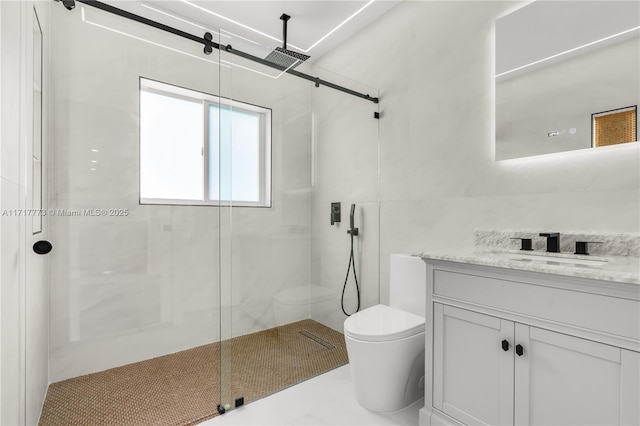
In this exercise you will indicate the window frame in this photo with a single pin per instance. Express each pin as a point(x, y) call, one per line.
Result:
point(207, 99)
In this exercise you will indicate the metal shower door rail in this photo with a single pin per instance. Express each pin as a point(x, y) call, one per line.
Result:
point(209, 44)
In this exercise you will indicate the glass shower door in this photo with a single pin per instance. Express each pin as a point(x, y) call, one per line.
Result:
point(266, 240)
point(281, 321)
point(135, 319)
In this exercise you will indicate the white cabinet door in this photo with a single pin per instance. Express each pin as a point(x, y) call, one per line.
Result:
point(473, 375)
point(565, 380)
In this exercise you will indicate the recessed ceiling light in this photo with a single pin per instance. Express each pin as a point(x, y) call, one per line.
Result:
point(221, 33)
point(339, 25)
point(174, 16)
point(234, 22)
point(276, 38)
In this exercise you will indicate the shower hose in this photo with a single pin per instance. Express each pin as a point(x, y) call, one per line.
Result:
point(352, 261)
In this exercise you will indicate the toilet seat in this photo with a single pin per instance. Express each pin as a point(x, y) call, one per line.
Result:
point(381, 323)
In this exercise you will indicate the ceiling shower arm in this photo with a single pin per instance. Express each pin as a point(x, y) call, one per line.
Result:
point(211, 44)
point(285, 18)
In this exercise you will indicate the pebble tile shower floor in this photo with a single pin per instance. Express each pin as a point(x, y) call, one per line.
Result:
point(183, 388)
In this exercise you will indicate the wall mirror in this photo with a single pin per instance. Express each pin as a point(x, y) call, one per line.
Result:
point(567, 77)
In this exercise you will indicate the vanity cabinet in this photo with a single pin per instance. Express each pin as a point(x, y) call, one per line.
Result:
point(510, 348)
point(492, 371)
point(565, 380)
point(473, 376)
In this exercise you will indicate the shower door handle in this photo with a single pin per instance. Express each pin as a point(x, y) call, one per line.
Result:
point(42, 247)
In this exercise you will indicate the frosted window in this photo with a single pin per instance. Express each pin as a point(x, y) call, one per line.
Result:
point(171, 142)
point(234, 154)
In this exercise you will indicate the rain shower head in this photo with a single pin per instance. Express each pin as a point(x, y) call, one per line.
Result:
point(286, 58)
point(282, 56)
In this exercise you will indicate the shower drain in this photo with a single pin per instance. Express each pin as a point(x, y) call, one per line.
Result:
point(316, 339)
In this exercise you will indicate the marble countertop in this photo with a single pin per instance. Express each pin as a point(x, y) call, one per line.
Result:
point(624, 269)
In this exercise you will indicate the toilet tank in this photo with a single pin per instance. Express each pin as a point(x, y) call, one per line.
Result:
point(407, 283)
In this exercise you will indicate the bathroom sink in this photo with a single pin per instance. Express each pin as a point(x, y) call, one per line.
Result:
point(552, 259)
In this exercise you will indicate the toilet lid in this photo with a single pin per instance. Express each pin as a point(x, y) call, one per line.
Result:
point(383, 323)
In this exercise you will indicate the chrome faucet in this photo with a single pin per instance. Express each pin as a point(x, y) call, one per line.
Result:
point(553, 241)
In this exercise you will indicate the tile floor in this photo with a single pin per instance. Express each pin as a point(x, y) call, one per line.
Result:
point(327, 399)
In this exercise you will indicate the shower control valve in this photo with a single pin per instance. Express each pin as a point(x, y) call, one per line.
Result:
point(335, 213)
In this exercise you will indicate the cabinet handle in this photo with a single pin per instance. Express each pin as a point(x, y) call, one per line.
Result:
point(505, 345)
point(519, 350)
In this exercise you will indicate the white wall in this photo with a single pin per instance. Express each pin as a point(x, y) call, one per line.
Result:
point(12, 246)
point(433, 63)
point(24, 288)
point(130, 288)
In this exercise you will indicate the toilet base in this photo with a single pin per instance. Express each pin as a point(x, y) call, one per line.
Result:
point(388, 376)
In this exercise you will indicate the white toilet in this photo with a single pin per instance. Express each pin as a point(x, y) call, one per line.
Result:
point(386, 344)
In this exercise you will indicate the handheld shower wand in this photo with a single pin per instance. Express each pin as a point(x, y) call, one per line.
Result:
point(353, 232)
